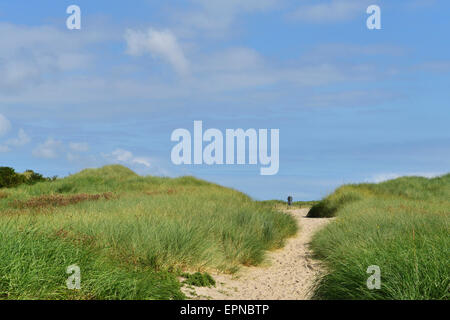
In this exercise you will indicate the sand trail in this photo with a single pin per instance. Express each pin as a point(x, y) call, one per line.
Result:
point(288, 273)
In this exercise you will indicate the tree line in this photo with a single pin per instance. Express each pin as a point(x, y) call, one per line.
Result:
point(9, 178)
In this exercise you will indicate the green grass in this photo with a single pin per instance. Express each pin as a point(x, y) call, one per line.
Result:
point(130, 235)
point(400, 225)
point(199, 279)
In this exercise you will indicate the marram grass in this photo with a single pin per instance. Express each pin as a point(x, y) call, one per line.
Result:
point(401, 225)
point(131, 236)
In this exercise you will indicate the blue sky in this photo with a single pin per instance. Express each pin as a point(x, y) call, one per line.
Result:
point(351, 104)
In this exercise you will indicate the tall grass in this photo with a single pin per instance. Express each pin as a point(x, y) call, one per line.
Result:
point(400, 225)
point(283, 205)
point(132, 243)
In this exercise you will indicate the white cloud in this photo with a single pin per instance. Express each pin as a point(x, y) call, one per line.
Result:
point(50, 149)
point(76, 152)
point(160, 44)
point(5, 125)
point(211, 78)
point(381, 177)
point(212, 73)
point(141, 161)
point(21, 140)
point(331, 11)
point(29, 54)
point(127, 157)
point(79, 146)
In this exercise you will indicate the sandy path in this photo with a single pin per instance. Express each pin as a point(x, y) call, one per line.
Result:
point(288, 273)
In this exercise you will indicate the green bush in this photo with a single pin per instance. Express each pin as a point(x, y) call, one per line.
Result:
point(9, 178)
point(199, 279)
point(30, 177)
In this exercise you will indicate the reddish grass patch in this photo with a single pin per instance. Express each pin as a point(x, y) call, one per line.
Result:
point(59, 200)
point(3, 195)
point(154, 193)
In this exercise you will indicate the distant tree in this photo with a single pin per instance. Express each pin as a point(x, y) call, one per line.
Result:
point(9, 178)
point(32, 177)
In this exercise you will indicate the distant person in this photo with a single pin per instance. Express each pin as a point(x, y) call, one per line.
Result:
point(289, 201)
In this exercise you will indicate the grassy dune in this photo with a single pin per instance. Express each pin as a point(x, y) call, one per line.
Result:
point(130, 235)
point(400, 225)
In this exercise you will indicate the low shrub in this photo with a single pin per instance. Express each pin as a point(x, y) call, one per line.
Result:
point(199, 279)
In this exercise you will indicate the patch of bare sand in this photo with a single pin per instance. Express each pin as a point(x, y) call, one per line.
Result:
point(287, 274)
